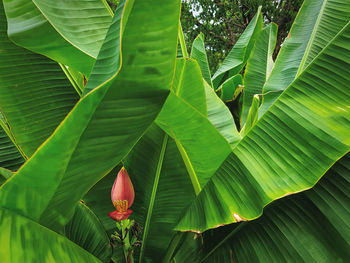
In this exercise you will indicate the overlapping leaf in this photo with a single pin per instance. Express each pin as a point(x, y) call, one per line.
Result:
point(307, 227)
point(188, 84)
point(10, 158)
point(70, 32)
point(104, 124)
point(195, 135)
point(109, 56)
point(220, 116)
point(258, 68)
point(315, 25)
point(252, 116)
point(289, 149)
point(35, 95)
point(198, 53)
point(163, 180)
point(24, 240)
point(230, 88)
point(238, 56)
point(86, 231)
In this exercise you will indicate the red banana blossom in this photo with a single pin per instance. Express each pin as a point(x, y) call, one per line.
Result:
point(122, 195)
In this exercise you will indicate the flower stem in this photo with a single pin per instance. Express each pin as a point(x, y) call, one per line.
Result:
point(128, 251)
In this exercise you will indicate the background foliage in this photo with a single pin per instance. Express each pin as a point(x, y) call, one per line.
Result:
point(223, 21)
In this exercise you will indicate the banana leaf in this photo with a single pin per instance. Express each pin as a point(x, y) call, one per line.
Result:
point(35, 94)
point(316, 24)
point(258, 67)
point(239, 54)
point(70, 32)
point(85, 230)
point(312, 226)
point(198, 53)
point(10, 157)
point(24, 240)
point(288, 150)
point(104, 125)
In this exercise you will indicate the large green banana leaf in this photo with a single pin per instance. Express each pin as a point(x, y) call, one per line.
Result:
point(104, 125)
point(288, 150)
point(220, 116)
point(188, 84)
point(201, 144)
point(239, 54)
point(334, 14)
point(317, 22)
point(86, 230)
point(35, 95)
point(313, 226)
point(258, 67)
point(183, 126)
point(70, 32)
point(109, 56)
point(24, 240)
point(198, 53)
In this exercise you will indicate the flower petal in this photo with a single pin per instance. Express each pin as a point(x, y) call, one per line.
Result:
point(122, 188)
point(117, 216)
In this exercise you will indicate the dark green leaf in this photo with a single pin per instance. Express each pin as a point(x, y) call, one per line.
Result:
point(85, 230)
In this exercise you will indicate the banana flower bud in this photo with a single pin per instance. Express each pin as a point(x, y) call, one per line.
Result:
point(122, 195)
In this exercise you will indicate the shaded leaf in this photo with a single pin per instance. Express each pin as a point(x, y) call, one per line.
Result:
point(35, 94)
point(85, 230)
point(24, 240)
point(231, 88)
point(10, 157)
point(163, 189)
point(312, 226)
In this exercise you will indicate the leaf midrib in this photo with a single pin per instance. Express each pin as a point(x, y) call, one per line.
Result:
point(11, 137)
point(153, 195)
